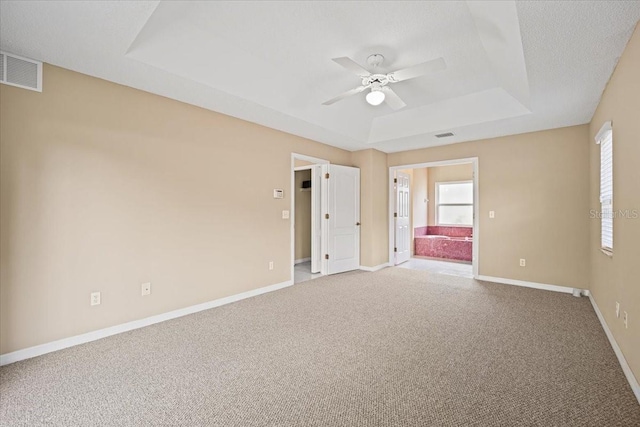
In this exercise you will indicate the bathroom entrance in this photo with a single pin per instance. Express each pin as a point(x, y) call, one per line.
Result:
point(433, 217)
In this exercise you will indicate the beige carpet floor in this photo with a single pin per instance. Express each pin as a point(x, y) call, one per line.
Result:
point(392, 348)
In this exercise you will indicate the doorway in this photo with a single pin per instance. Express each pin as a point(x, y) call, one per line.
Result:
point(325, 218)
point(433, 212)
point(306, 221)
point(303, 231)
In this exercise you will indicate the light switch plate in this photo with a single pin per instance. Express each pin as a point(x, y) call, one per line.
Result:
point(146, 288)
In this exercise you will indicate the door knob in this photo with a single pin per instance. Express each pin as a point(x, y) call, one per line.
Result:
point(357, 223)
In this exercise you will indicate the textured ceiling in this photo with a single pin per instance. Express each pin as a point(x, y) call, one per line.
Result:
point(511, 67)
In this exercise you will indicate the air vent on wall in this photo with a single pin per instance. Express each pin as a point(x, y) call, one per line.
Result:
point(444, 135)
point(20, 72)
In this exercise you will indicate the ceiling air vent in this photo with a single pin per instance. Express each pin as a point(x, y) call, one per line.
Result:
point(444, 135)
point(20, 72)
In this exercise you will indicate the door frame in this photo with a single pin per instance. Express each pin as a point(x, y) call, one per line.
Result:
point(316, 161)
point(476, 204)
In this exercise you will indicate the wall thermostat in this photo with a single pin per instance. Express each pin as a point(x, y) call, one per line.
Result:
point(278, 194)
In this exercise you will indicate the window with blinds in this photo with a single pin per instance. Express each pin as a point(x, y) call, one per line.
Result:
point(605, 139)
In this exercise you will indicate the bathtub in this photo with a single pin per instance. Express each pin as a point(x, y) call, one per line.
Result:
point(453, 243)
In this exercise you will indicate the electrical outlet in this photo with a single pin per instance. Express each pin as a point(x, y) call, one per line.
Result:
point(523, 262)
point(146, 288)
point(625, 318)
point(285, 214)
point(492, 214)
point(617, 309)
point(95, 298)
point(270, 265)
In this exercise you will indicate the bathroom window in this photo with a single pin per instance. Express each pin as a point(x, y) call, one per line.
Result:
point(605, 139)
point(454, 203)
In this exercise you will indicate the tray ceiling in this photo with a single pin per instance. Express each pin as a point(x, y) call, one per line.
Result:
point(512, 67)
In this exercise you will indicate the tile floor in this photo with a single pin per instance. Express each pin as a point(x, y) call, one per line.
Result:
point(460, 269)
point(302, 272)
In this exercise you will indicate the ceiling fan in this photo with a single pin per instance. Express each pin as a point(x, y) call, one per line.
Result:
point(379, 83)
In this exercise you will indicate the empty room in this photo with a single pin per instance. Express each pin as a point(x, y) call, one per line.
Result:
point(319, 213)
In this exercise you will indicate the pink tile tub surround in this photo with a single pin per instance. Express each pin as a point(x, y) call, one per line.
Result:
point(444, 242)
point(450, 231)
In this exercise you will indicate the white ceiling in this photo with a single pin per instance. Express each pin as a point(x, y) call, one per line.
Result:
point(511, 67)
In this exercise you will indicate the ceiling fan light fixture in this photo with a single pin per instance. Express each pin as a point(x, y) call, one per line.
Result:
point(379, 82)
point(375, 97)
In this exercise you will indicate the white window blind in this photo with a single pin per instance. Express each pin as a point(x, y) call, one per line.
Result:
point(605, 139)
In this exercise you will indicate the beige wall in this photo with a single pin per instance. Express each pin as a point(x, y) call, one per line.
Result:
point(103, 187)
point(303, 216)
point(437, 174)
point(299, 163)
point(536, 183)
point(616, 278)
point(374, 205)
point(420, 195)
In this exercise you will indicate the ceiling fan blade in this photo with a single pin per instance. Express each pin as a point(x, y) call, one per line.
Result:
point(345, 95)
point(417, 70)
point(392, 98)
point(352, 66)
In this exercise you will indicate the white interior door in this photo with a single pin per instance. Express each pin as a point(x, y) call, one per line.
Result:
point(316, 219)
point(341, 225)
point(402, 218)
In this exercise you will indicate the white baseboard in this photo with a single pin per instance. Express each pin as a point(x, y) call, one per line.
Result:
point(534, 285)
point(38, 350)
point(633, 382)
point(301, 260)
point(376, 268)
